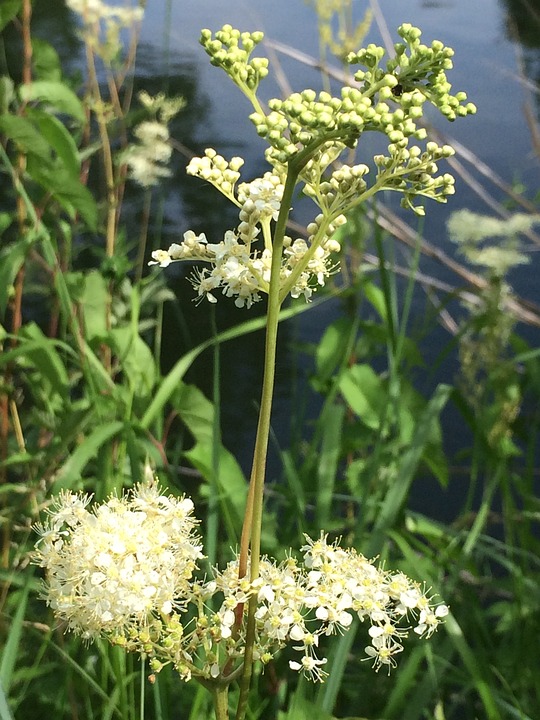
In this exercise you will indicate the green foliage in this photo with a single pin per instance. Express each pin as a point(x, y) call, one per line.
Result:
point(86, 404)
point(8, 11)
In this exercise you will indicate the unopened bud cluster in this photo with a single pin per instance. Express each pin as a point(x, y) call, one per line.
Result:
point(415, 74)
point(217, 171)
point(126, 571)
point(230, 49)
point(306, 134)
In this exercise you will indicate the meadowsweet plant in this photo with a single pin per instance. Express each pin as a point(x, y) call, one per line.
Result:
point(148, 157)
point(215, 628)
point(488, 373)
point(102, 24)
point(126, 570)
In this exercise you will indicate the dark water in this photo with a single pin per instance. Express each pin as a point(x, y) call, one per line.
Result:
point(497, 72)
point(497, 62)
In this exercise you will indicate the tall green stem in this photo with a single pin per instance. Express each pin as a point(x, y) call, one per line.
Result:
point(251, 532)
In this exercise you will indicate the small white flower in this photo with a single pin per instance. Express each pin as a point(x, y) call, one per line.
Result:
point(310, 667)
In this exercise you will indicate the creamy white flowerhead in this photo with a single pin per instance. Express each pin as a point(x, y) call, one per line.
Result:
point(118, 565)
point(125, 570)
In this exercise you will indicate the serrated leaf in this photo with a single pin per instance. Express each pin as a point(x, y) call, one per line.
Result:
point(56, 95)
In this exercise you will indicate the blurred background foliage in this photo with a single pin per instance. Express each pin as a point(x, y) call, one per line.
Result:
point(407, 405)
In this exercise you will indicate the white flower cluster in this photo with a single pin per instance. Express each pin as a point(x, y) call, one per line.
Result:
point(246, 276)
point(147, 159)
point(119, 566)
point(93, 11)
point(124, 570)
point(298, 605)
point(238, 269)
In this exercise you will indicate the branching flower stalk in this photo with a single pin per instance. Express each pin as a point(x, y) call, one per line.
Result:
point(101, 27)
point(150, 601)
point(307, 133)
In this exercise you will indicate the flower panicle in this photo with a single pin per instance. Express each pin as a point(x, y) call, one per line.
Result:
point(240, 267)
point(307, 132)
point(103, 23)
point(125, 570)
point(118, 565)
point(147, 158)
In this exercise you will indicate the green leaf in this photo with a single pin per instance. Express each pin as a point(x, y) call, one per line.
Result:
point(473, 667)
point(397, 494)
point(56, 95)
point(45, 60)
point(376, 297)
point(60, 140)
point(69, 192)
point(136, 359)
point(170, 382)
point(44, 357)
point(327, 465)
point(298, 496)
point(11, 647)
point(94, 301)
point(7, 93)
point(12, 258)
point(8, 356)
point(363, 390)
point(5, 712)
point(26, 136)
point(333, 345)
point(435, 458)
point(231, 483)
point(197, 412)
point(5, 221)
point(300, 708)
point(8, 10)
point(71, 470)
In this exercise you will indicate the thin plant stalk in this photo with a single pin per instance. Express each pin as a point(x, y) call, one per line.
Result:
point(108, 166)
point(251, 531)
